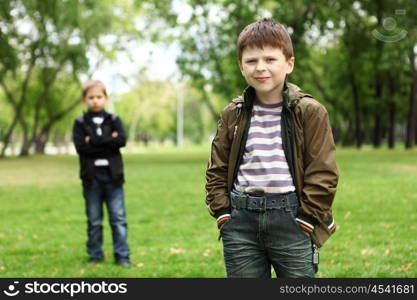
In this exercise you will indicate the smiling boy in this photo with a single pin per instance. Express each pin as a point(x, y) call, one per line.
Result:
point(272, 175)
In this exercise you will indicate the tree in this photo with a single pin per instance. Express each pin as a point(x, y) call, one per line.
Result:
point(148, 111)
point(345, 54)
point(43, 41)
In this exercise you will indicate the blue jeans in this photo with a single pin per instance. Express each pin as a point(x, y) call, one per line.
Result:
point(102, 190)
point(261, 233)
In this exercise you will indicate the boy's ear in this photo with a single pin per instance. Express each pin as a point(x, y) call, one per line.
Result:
point(240, 67)
point(290, 62)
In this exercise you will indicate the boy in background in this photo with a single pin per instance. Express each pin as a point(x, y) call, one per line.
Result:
point(98, 136)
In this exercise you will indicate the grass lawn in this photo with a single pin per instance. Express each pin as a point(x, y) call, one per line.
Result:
point(43, 224)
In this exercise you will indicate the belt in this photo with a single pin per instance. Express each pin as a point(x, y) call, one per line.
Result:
point(262, 202)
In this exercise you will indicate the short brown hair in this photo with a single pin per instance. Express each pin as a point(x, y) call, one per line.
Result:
point(92, 83)
point(265, 32)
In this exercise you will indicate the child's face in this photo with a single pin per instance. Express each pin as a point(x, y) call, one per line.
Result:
point(265, 69)
point(95, 99)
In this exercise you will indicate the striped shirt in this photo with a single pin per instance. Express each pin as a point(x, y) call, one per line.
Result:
point(264, 166)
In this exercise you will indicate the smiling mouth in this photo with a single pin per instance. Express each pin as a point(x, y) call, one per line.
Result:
point(261, 79)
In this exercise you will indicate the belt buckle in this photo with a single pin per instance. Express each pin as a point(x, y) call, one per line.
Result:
point(257, 193)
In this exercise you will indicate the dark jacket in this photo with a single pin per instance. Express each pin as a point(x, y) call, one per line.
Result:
point(99, 147)
point(308, 146)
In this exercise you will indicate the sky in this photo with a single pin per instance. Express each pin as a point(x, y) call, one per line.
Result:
point(122, 74)
point(160, 61)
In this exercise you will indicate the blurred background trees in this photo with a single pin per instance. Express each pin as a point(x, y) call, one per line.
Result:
point(357, 58)
point(44, 46)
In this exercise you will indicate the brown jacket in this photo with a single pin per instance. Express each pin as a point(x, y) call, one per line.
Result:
point(309, 148)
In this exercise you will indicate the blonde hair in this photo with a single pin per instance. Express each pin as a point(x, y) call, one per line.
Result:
point(93, 83)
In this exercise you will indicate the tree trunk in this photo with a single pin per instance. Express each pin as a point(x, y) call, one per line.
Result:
point(348, 138)
point(391, 128)
point(40, 143)
point(134, 124)
point(8, 135)
point(26, 143)
point(42, 137)
point(17, 106)
point(376, 109)
point(144, 137)
point(411, 118)
point(357, 110)
point(378, 130)
point(377, 136)
point(47, 81)
point(13, 146)
point(415, 134)
point(392, 111)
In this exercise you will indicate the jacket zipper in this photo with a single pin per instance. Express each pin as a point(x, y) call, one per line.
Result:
point(242, 144)
point(287, 124)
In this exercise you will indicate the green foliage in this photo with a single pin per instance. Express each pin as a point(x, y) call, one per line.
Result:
point(364, 81)
point(5, 116)
point(339, 58)
point(43, 223)
point(44, 53)
point(149, 110)
point(196, 123)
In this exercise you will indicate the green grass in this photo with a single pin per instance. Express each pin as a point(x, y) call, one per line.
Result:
point(43, 225)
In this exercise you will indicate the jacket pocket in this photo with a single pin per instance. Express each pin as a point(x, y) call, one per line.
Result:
point(305, 227)
point(228, 223)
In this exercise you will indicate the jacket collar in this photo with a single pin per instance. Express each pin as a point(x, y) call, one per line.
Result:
point(89, 115)
point(291, 94)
